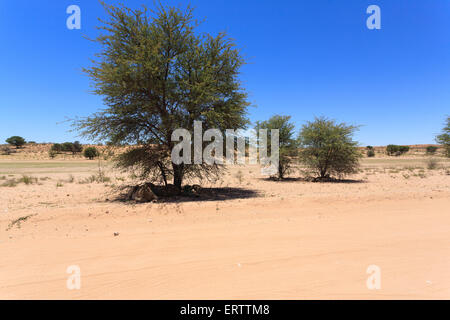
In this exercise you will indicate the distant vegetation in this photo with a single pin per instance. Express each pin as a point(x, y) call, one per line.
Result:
point(91, 153)
point(16, 141)
point(328, 148)
point(431, 149)
point(444, 138)
point(73, 147)
point(395, 150)
point(370, 151)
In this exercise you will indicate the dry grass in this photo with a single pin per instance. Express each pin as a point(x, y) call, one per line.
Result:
point(432, 163)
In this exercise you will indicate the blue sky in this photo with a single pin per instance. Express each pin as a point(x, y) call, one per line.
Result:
point(306, 59)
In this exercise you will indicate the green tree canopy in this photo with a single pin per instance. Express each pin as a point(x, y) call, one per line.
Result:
point(91, 153)
point(16, 141)
point(156, 74)
point(328, 148)
point(288, 144)
point(444, 138)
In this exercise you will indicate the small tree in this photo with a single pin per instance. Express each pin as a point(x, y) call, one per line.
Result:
point(288, 145)
point(431, 149)
point(16, 141)
point(370, 151)
point(67, 146)
point(77, 147)
point(57, 147)
point(328, 149)
point(91, 153)
point(444, 138)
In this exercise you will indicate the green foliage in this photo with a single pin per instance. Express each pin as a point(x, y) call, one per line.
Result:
point(288, 145)
point(77, 147)
point(56, 148)
point(67, 146)
point(16, 141)
point(156, 74)
point(444, 138)
point(100, 177)
point(403, 149)
point(28, 180)
point(73, 147)
point(328, 149)
point(371, 153)
point(91, 153)
point(431, 149)
point(395, 150)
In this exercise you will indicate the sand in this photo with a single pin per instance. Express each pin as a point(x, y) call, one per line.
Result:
point(260, 239)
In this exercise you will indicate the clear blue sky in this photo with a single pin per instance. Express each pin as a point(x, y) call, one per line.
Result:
point(306, 58)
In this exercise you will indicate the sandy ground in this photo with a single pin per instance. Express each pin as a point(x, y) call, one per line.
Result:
point(258, 239)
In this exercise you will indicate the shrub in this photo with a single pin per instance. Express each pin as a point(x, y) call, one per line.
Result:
point(370, 153)
point(91, 153)
point(52, 154)
point(328, 148)
point(99, 178)
point(394, 150)
point(16, 141)
point(56, 148)
point(28, 180)
point(432, 163)
point(431, 149)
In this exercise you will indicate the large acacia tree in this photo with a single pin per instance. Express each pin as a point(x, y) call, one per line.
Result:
point(157, 74)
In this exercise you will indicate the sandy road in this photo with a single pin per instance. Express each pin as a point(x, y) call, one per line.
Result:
point(275, 249)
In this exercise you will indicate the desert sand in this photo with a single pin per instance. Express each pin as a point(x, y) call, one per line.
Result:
point(253, 239)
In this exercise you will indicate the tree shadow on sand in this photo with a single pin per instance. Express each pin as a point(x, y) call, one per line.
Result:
point(205, 194)
point(313, 180)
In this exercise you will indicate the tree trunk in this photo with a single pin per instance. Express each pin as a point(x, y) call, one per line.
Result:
point(177, 175)
point(163, 172)
point(280, 171)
